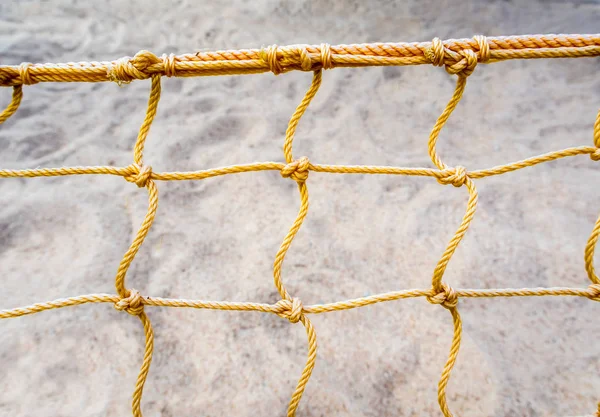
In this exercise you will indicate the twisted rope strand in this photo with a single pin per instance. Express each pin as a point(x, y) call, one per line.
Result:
point(305, 58)
point(298, 171)
point(14, 104)
point(454, 348)
point(131, 301)
point(592, 292)
point(145, 368)
point(590, 247)
point(132, 171)
point(459, 57)
point(445, 295)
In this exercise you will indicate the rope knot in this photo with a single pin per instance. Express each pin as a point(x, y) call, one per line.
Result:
point(304, 58)
point(127, 69)
point(436, 52)
point(326, 60)
point(456, 176)
point(140, 175)
point(25, 75)
point(446, 297)
point(461, 63)
point(132, 304)
point(269, 56)
point(484, 48)
point(169, 64)
point(594, 292)
point(293, 310)
point(595, 156)
point(465, 65)
point(296, 170)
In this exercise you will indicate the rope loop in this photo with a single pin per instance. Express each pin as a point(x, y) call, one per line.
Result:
point(133, 303)
point(169, 64)
point(436, 52)
point(127, 69)
point(140, 175)
point(484, 48)
point(305, 59)
point(297, 170)
point(594, 292)
point(25, 75)
point(465, 65)
point(456, 176)
point(326, 60)
point(269, 56)
point(461, 63)
point(595, 156)
point(446, 297)
point(293, 310)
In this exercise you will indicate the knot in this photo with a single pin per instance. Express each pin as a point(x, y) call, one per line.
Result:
point(269, 56)
point(169, 64)
point(293, 310)
point(594, 292)
point(595, 156)
point(305, 60)
point(436, 52)
point(326, 56)
point(447, 297)
point(456, 176)
point(465, 65)
point(24, 74)
point(127, 69)
point(296, 170)
point(463, 62)
point(133, 303)
point(484, 48)
point(140, 175)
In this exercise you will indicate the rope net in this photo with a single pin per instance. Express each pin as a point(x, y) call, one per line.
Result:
point(459, 57)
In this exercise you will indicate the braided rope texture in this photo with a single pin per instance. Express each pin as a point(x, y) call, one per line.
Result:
point(459, 57)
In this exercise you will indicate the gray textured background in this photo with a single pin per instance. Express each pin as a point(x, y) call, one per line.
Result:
point(216, 239)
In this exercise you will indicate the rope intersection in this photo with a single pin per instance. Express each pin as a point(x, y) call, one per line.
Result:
point(459, 57)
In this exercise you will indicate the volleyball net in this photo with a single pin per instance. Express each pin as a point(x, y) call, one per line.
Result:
point(459, 57)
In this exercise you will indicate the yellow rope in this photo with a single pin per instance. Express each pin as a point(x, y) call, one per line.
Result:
point(459, 57)
point(14, 103)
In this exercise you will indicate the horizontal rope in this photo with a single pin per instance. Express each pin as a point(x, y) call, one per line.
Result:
point(133, 170)
point(302, 57)
point(309, 309)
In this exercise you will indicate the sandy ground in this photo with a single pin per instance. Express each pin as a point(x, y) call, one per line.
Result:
point(216, 239)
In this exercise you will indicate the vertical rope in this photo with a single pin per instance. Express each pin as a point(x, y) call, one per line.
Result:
point(287, 151)
point(297, 170)
point(298, 113)
point(445, 295)
point(308, 367)
point(138, 150)
point(131, 301)
point(145, 368)
point(590, 247)
point(461, 83)
point(454, 348)
point(13, 105)
point(138, 240)
point(147, 182)
point(440, 268)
